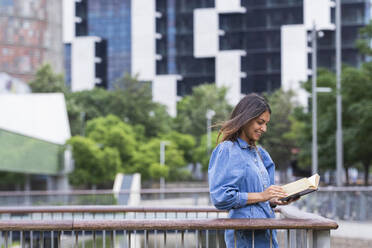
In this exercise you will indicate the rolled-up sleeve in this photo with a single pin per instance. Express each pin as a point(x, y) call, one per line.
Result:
point(225, 175)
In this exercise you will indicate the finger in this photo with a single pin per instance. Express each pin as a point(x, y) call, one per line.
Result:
point(278, 189)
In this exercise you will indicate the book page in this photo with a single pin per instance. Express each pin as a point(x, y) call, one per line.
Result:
point(297, 186)
point(314, 180)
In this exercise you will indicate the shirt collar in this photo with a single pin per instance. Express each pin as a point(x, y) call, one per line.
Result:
point(243, 144)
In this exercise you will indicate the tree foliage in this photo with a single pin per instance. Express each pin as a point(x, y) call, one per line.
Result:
point(356, 116)
point(94, 165)
point(192, 109)
point(364, 41)
point(184, 142)
point(108, 148)
point(326, 116)
point(130, 100)
point(147, 160)
point(131, 152)
point(278, 139)
point(201, 154)
point(47, 81)
point(110, 131)
point(86, 105)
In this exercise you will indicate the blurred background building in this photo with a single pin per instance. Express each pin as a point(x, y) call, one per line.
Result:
point(34, 129)
point(31, 34)
point(249, 46)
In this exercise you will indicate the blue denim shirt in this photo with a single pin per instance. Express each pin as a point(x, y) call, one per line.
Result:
point(236, 169)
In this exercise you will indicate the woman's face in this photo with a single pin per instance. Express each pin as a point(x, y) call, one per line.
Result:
point(253, 130)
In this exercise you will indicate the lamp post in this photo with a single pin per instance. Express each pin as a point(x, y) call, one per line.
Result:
point(339, 142)
point(314, 160)
point(314, 91)
point(209, 115)
point(163, 143)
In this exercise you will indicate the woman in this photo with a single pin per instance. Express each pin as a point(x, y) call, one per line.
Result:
point(241, 175)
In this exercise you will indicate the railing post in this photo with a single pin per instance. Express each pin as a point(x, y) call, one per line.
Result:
point(58, 239)
point(347, 215)
point(6, 239)
point(321, 239)
point(291, 238)
point(334, 204)
point(362, 204)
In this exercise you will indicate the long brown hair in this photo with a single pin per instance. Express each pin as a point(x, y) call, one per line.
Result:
point(250, 107)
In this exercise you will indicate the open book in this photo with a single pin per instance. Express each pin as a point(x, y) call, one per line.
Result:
point(301, 187)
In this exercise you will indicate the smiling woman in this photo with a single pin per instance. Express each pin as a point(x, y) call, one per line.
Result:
point(253, 130)
point(241, 174)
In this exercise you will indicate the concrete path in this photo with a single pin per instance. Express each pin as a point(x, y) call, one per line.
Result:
point(352, 234)
point(353, 230)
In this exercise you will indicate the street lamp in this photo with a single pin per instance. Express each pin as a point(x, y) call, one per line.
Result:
point(314, 91)
point(209, 115)
point(314, 160)
point(163, 143)
point(339, 142)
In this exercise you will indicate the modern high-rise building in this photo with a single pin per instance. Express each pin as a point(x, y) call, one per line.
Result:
point(31, 34)
point(246, 45)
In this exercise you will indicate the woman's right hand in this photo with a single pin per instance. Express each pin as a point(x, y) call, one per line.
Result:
point(273, 191)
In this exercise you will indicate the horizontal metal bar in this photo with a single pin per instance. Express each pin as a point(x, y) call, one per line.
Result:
point(103, 209)
point(161, 224)
point(102, 192)
point(156, 191)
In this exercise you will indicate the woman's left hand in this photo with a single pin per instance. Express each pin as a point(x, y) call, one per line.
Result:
point(276, 201)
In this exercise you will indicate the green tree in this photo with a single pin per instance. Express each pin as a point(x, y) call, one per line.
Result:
point(357, 117)
point(364, 41)
point(326, 116)
point(158, 171)
point(201, 154)
point(132, 100)
point(111, 132)
point(86, 105)
point(278, 139)
point(184, 142)
point(147, 157)
point(192, 109)
point(94, 165)
point(47, 81)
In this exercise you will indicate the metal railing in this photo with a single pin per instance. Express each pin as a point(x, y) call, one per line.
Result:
point(344, 203)
point(187, 227)
point(331, 202)
point(107, 212)
point(98, 197)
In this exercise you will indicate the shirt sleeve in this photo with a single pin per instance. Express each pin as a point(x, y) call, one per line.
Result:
point(225, 175)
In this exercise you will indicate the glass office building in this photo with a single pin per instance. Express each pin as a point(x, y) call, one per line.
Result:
point(245, 45)
point(111, 22)
point(176, 48)
point(257, 31)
